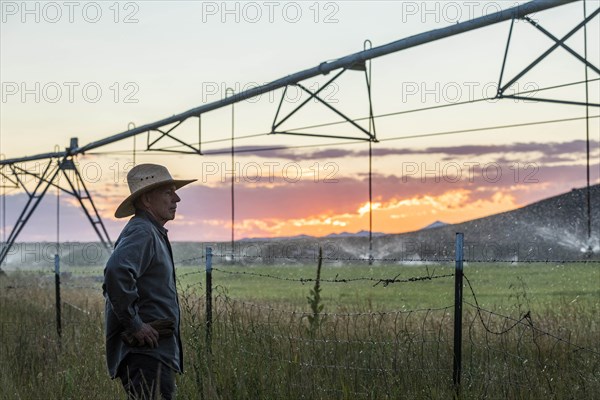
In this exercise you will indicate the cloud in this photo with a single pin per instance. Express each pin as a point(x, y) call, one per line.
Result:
point(405, 200)
point(297, 154)
point(322, 208)
point(282, 152)
point(574, 146)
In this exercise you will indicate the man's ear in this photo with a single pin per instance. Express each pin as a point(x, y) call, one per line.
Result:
point(143, 199)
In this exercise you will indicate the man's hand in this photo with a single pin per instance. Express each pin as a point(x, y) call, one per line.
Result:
point(160, 328)
point(147, 335)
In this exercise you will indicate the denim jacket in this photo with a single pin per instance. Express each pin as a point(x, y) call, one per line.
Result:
point(139, 287)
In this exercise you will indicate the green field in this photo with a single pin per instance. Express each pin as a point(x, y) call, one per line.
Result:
point(538, 286)
point(373, 340)
point(497, 286)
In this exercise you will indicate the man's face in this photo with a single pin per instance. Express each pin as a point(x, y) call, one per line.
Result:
point(162, 203)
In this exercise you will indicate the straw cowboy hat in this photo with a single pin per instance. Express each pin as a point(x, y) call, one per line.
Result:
point(143, 178)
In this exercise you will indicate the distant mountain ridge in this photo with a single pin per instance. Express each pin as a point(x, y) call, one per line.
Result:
point(362, 233)
point(436, 224)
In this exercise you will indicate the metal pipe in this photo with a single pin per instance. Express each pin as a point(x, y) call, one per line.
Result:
point(324, 68)
point(43, 156)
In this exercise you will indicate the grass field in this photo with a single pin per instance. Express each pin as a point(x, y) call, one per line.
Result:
point(372, 341)
point(496, 285)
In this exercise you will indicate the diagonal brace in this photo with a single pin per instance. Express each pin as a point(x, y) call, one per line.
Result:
point(550, 50)
point(45, 181)
point(276, 125)
point(6, 177)
point(42, 178)
point(570, 50)
point(77, 192)
point(167, 134)
point(315, 95)
point(30, 206)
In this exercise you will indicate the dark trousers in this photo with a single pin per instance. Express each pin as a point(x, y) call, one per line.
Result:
point(146, 378)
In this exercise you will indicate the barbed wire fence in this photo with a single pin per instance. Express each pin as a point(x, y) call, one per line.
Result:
point(272, 347)
point(385, 354)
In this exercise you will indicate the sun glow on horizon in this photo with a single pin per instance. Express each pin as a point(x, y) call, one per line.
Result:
point(393, 216)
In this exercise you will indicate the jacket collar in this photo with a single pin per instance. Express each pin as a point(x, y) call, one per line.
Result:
point(147, 216)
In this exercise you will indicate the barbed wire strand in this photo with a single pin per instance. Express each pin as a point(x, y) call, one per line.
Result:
point(384, 281)
point(520, 321)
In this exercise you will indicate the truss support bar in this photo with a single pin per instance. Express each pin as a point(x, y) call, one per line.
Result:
point(322, 136)
point(324, 68)
point(13, 168)
point(550, 50)
point(163, 133)
point(94, 219)
point(312, 95)
point(196, 152)
point(45, 181)
point(563, 45)
point(6, 177)
point(279, 108)
point(167, 133)
point(25, 172)
point(30, 206)
point(332, 108)
point(512, 24)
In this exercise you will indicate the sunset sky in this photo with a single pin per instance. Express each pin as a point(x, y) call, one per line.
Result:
point(140, 62)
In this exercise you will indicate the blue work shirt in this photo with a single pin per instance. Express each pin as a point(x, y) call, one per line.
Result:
point(139, 287)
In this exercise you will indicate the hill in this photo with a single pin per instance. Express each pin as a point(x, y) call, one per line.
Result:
point(551, 229)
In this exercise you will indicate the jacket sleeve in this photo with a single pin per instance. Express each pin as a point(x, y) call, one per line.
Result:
point(129, 260)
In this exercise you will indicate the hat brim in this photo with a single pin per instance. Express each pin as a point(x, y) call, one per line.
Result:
point(126, 207)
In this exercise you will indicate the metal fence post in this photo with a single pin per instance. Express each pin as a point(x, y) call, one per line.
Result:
point(57, 289)
point(208, 298)
point(458, 299)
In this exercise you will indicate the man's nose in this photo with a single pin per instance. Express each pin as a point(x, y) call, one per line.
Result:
point(177, 198)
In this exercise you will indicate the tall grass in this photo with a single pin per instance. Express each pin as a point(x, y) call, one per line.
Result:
point(265, 351)
point(34, 362)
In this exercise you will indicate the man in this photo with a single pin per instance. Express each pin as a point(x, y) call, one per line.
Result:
point(139, 288)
